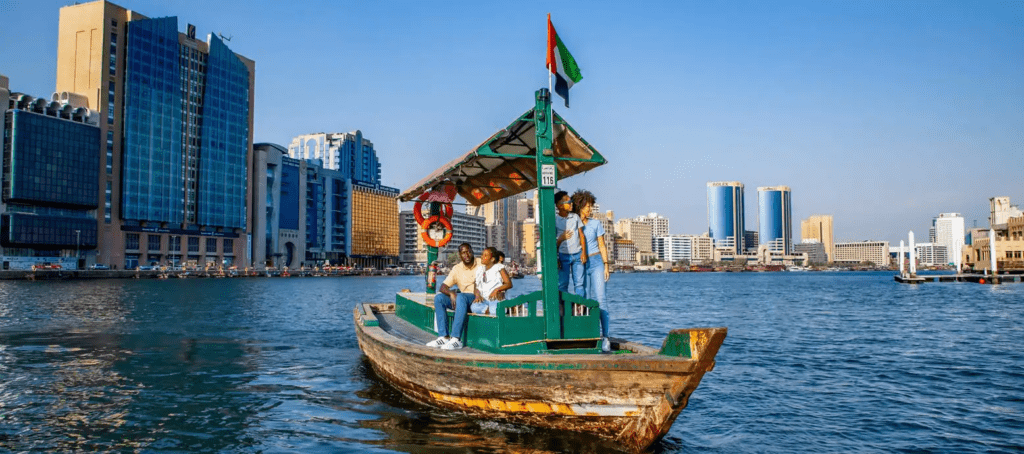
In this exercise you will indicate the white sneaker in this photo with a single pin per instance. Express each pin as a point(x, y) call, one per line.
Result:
point(437, 343)
point(452, 344)
point(606, 345)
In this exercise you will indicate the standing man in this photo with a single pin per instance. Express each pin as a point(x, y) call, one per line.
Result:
point(462, 276)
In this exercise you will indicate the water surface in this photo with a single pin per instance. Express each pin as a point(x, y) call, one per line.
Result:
point(814, 362)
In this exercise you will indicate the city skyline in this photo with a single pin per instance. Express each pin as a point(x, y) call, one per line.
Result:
point(883, 118)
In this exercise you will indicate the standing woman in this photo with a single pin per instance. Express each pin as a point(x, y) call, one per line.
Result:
point(596, 271)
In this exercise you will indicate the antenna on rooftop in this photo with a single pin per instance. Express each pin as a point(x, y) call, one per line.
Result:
point(225, 38)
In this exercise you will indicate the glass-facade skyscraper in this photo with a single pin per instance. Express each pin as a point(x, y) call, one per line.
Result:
point(175, 135)
point(345, 152)
point(48, 207)
point(725, 215)
point(775, 225)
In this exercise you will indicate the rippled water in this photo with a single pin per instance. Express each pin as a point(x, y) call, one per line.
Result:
point(813, 362)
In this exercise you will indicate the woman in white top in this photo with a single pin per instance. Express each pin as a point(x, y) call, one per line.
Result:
point(491, 282)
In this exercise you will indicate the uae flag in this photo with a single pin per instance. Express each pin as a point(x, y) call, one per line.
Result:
point(561, 64)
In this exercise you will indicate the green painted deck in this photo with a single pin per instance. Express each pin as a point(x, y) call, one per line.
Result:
point(518, 328)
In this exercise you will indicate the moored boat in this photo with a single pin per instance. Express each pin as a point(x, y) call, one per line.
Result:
point(538, 360)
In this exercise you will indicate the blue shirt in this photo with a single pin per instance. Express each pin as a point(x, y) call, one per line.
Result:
point(593, 230)
point(570, 222)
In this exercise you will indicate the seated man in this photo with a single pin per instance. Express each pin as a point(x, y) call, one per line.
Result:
point(463, 276)
point(491, 282)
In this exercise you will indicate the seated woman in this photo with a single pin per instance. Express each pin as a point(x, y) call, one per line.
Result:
point(491, 282)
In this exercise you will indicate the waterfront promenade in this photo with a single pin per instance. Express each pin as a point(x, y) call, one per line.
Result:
point(50, 274)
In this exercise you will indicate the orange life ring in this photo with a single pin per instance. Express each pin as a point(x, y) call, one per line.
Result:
point(417, 210)
point(425, 225)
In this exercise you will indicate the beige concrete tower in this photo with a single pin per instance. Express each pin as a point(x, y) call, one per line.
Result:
point(92, 56)
point(819, 227)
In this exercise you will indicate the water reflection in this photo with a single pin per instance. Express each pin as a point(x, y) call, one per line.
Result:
point(85, 392)
point(831, 362)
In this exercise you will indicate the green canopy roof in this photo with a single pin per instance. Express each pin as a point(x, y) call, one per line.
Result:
point(506, 164)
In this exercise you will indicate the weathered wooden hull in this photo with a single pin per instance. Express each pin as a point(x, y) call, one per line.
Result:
point(630, 399)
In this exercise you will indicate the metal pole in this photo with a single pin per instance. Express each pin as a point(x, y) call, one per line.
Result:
point(78, 247)
point(547, 177)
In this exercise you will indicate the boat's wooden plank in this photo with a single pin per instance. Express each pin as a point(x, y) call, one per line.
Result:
point(403, 330)
point(407, 336)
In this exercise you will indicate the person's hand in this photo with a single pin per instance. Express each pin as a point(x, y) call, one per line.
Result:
point(567, 235)
point(583, 259)
point(494, 295)
point(478, 299)
point(607, 274)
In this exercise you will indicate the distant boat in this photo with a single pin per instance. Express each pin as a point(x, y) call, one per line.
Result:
point(515, 272)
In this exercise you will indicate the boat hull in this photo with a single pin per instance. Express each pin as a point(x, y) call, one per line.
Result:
point(628, 399)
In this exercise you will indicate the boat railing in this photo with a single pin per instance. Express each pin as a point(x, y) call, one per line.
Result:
point(519, 325)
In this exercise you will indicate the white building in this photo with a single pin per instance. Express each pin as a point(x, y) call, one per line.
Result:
point(692, 248)
point(673, 248)
point(949, 232)
point(931, 254)
point(852, 253)
point(346, 152)
point(466, 229)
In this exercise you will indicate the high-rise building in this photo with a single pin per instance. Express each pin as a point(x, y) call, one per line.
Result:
point(375, 226)
point(524, 208)
point(726, 215)
point(308, 215)
point(504, 229)
point(465, 229)
point(176, 131)
point(346, 152)
point(775, 221)
point(949, 232)
point(819, 227)
point(637, 232)
point(49, 150)
point(750, 241)
point(931, 254)
point(659, 224)
point(608, 223)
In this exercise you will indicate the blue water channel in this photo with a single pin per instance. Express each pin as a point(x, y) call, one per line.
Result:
point(814, 362)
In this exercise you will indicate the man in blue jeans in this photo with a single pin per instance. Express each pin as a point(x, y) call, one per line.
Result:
point(462, 276)
point(571, 249)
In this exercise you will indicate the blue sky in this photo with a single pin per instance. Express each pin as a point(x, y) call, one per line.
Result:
point(883, 114)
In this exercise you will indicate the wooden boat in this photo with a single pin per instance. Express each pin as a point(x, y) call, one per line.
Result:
point(538, 361)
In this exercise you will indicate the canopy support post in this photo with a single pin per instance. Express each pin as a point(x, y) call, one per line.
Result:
point(430, 274)
point(547, 176)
